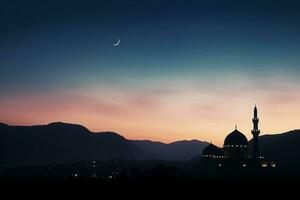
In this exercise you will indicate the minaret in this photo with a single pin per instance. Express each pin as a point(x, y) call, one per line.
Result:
point(255, 132)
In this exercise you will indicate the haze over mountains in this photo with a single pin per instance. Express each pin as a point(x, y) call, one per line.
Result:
point(61, 142)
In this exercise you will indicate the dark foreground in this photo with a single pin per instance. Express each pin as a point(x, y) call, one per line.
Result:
point(147, 179)
point(150, 188)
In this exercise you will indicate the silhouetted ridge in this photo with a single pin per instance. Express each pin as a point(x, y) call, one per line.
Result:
point(61, 142)
point(68, 126)
point(289, 133)
point(180, 150)
point(110, 134)
point(283, 147)
point(2, 124)
point(182, 142)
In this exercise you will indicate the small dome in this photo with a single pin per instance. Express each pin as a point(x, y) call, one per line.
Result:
point(212, 150)
point(236, 138)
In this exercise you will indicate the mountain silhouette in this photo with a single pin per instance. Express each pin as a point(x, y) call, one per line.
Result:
point(61, 142)
point(180, 150)
point(283, 148)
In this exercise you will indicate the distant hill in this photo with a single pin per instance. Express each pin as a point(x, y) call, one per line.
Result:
point(61, 142)
point(180, 150)
point(283, 148)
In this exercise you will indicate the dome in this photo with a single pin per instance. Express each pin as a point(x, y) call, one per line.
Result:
point(212, 150)
point(236, 138)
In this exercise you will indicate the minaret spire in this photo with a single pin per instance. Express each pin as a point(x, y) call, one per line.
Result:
point(255, 111)
point(255, 132)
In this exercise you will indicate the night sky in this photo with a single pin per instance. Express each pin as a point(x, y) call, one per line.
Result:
point(183, 69)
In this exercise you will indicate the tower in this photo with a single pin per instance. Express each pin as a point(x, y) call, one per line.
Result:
point(255, 132)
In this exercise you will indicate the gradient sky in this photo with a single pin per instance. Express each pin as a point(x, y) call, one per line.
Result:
point(183, 69)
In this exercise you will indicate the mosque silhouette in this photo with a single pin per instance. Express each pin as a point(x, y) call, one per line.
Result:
point(238, 155)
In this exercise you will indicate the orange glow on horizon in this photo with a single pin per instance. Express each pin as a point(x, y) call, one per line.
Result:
point(180, 113)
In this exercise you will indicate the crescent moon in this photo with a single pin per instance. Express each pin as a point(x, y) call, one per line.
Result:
point(116, 44)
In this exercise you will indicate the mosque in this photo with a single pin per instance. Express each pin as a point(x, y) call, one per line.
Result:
point(236, 150)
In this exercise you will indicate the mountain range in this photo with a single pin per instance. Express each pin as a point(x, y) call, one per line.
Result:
point(62, 142)
point(283, 148)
